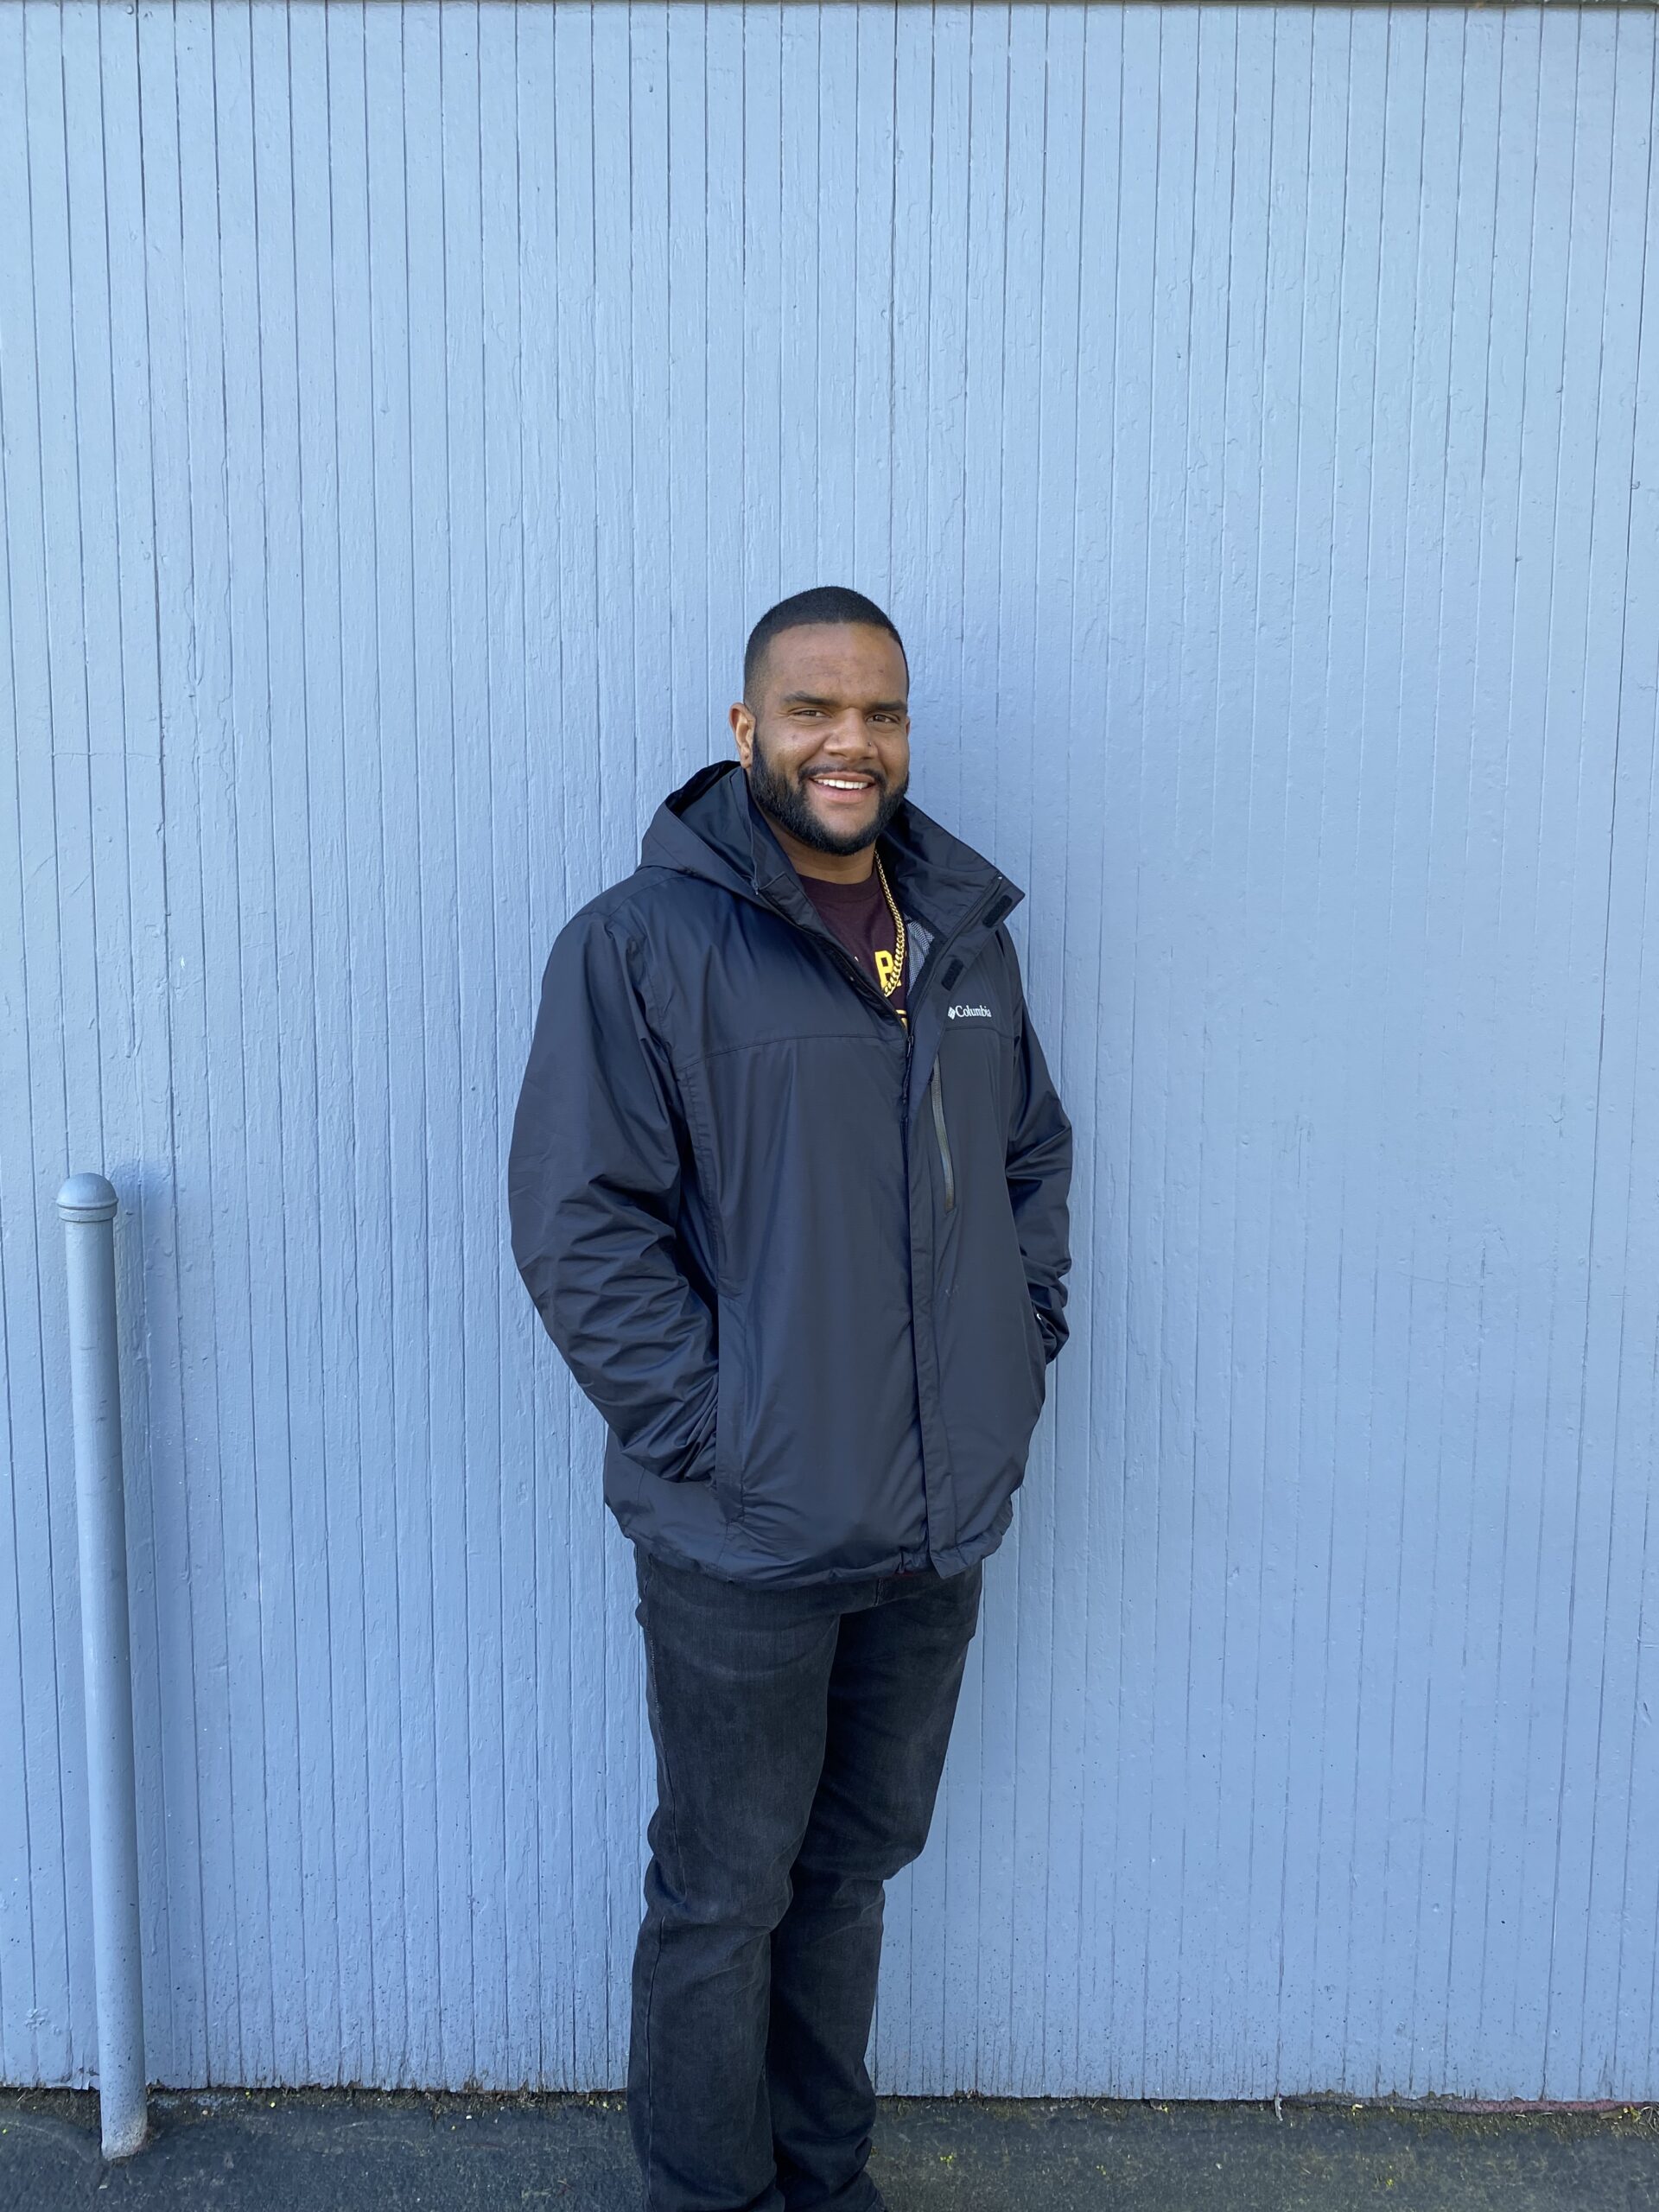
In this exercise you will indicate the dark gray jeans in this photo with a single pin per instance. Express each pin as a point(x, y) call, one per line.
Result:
point(800, 1735)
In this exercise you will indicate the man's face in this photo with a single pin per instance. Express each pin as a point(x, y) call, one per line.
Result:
point(826, 743)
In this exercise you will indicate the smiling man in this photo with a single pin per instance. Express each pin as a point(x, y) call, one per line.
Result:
point(788, 1185)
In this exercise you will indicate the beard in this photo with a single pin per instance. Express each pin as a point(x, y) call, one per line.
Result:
point(784, 797)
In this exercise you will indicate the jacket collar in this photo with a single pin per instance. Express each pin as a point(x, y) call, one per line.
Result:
point(711, 827)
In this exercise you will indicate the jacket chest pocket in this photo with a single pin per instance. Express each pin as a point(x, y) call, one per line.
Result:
point(942, 1134)
point(968, 1088)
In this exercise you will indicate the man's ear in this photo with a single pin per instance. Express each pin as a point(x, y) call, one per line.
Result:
point(742, 722)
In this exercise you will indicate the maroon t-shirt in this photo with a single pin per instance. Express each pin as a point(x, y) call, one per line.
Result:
point(861, 916)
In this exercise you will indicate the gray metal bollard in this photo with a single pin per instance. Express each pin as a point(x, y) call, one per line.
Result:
point(86, 1205)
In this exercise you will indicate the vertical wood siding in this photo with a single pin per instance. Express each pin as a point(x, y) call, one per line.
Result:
point(1252, 419)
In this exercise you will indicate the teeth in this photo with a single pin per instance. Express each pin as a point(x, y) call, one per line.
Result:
point(843, 783)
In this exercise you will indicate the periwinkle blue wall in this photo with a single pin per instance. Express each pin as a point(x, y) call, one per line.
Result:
point(1252, 418)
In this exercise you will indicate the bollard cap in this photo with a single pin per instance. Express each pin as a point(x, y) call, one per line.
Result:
point(88, 1198)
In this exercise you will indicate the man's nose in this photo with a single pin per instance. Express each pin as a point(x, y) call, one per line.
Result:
point(848, 737)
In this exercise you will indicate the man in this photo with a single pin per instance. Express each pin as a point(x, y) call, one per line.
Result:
point(788, 1185)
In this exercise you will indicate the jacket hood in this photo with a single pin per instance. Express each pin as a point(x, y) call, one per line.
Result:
point(711, 827)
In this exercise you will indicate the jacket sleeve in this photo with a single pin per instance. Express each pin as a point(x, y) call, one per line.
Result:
point(1040, 1180)
point(594, 1183)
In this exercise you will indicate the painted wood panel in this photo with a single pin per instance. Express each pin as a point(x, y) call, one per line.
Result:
point(1251, 417)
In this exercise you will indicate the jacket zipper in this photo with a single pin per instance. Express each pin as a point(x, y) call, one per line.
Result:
point(937, 1091)
point(935, 1088)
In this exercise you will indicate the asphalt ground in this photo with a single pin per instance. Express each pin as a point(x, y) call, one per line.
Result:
point(361, 2151)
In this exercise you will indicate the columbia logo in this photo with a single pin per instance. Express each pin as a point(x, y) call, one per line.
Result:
point(961, 1012)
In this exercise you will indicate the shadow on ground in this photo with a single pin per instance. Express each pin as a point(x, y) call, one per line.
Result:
point(357, 2152)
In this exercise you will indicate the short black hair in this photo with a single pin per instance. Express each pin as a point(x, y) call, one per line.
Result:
point(823, 603)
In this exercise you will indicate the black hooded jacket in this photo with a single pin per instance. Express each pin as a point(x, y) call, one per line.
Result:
point(807, 1264)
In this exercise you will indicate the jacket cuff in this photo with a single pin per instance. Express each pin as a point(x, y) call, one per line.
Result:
point(699, 1466)
point(1053, 1334)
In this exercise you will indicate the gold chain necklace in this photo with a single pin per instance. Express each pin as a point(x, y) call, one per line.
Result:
point(888, 990)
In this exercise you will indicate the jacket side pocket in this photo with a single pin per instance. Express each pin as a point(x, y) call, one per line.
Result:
point(727, 1473)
